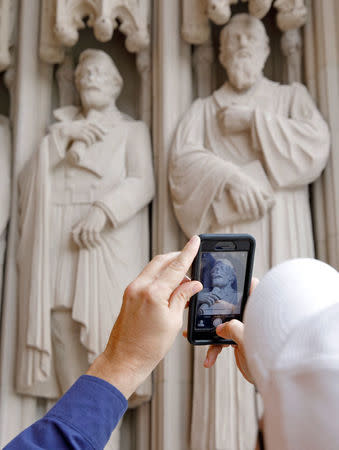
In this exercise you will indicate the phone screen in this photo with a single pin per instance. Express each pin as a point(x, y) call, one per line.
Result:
point(223, 277)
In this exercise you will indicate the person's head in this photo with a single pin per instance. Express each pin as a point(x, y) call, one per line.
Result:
point(244, 49)
point(97, 79)
point(291, 340)
point(223, 275)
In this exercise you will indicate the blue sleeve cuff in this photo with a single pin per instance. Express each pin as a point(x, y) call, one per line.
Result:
point(93, 407)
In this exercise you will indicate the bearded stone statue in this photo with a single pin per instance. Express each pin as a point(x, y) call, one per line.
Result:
point(241, 162)
point(83, 231)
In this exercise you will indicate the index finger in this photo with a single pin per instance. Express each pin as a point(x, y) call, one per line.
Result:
point(172, 275)
point(155, 266)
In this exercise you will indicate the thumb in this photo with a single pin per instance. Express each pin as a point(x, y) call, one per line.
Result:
point(183, 293)
point(233, 330)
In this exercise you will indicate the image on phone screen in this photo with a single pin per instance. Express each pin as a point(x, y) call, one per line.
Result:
point(223, 277)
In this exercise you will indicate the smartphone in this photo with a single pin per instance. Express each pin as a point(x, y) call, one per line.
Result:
point(224, 266)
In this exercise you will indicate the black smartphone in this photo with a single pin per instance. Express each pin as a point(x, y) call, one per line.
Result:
point(224, 266)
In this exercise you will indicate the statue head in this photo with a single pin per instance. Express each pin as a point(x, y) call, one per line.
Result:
point(244, 48)
point(223, 275)
point(97, 79)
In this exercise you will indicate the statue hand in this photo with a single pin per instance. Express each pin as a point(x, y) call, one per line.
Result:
point(208, 298)
point(250, 202)
point(82, 130)
point(234, 119)
point(86, 233)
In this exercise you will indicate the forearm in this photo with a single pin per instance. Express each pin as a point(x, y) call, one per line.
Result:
point(83, 418)
point(295, 151)
point(127, 199)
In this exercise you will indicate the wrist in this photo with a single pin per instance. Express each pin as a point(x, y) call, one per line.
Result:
point(108, 213)
point(235, 180)
point(119, 372)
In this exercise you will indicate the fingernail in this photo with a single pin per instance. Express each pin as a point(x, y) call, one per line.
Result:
point(207, 361)
point(196, 287)
point(194, 239)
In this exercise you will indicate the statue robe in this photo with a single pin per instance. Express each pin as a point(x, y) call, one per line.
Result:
point(290, 139)
point(116, 175)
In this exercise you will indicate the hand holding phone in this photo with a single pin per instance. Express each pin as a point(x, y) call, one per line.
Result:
point(232, 330)
point(224, 266)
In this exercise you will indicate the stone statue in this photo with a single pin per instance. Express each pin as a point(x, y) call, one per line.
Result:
point(241, 162)
point(291, 46)
point(219, 11)
point(291, 14)
point(83, 230)
point(5, 193)
point(259, 8)
point(223, 293)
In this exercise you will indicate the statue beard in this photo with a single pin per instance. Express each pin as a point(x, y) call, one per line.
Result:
point(244, 71)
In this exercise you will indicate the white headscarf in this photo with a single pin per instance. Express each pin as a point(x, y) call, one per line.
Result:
point(292, 348)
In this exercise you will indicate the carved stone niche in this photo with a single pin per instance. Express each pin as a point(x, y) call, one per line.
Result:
point(291, 13)
point(197, 13)
point(61, 21)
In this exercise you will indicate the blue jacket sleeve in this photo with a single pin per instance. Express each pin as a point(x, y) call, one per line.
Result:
point(83, 418)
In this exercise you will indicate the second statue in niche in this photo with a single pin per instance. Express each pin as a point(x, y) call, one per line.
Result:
point(241, 163)
point(83, 230)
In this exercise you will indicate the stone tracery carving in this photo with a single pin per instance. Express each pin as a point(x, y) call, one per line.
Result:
point(65, 78)
point(4, 34)
point(8, 14)
point(203, 57)
point(291, 46)
point(196, 15)
point(144, 67)
point(259, 8)
point(291, 14)
point(61, 20)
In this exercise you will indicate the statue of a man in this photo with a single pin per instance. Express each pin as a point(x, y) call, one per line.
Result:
point(84, 230)
point(251, 144)
point(222, 297)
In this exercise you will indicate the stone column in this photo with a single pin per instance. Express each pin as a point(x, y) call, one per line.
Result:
point(321, 41)
point(31, 111)
point(172, 95)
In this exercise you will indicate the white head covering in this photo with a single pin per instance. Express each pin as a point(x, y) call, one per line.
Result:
point(292, 348)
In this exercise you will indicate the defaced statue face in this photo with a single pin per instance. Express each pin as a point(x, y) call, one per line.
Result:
point(96, 84)
point(244, 50)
